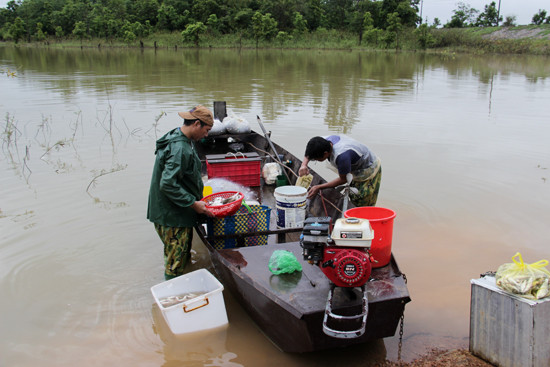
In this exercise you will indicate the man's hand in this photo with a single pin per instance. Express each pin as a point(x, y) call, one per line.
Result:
point(313, 190)
point(200, 207)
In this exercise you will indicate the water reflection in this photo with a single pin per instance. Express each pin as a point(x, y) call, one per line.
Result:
point(285, 283)
point(336, 83)
point(206, 347)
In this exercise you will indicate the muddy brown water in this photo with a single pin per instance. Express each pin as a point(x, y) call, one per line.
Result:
point(464, 147)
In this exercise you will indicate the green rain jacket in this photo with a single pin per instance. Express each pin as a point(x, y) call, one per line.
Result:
point(176, 182)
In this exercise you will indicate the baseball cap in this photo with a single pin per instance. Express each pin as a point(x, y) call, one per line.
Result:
point(198, 112)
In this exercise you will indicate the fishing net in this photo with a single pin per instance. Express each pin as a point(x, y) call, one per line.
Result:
point(282, 261)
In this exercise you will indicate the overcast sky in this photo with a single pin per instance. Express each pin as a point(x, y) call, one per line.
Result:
point(523, 10)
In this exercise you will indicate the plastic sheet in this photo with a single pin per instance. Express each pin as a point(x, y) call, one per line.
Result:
point(283, 262)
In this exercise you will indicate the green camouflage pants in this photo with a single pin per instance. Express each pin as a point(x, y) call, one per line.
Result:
point(368, 190)
point(177, 249)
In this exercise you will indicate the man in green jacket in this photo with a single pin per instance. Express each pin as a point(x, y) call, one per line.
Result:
point(176, 188)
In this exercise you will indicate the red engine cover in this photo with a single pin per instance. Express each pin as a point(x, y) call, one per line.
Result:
point(346, 267)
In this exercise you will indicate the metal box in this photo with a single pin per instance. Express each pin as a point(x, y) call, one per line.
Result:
point(507, 330)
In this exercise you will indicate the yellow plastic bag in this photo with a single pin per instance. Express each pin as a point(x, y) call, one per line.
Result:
point(527, 280)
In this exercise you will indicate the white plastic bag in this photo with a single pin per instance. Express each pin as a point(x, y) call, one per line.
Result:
point(217, 129)
point(270, 171)
point(236, 125)
point(219, 184)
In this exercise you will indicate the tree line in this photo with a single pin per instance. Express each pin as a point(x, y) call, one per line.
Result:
point(36, 19)
point(384, 20)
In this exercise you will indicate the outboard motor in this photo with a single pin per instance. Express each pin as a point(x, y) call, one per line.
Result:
point(344, 258)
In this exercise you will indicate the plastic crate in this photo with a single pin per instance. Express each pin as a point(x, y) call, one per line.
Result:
point(242, 168)
point(241, 222)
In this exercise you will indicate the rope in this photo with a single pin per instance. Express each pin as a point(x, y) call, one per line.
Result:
point(272, 157)
point(323, 202)
point(327, 201)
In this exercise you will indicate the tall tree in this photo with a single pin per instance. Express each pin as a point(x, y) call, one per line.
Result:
point(282, 11)
point(143, 10)
point(489, 17)
point(201, 10)
point(193, 32)
point(407, 11)
point(17, 30)
point(263, 27)
point(540, 17)
point(169, 19)
point(300, 24)
point(34, 12)
point(73, 11)
point(337, 13)
point(464, 16)
point(393, 29)
point(314, 14)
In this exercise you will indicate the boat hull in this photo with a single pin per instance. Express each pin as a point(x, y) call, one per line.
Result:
point(289, 308)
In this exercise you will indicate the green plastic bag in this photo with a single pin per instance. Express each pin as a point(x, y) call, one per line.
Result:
point(283, 261)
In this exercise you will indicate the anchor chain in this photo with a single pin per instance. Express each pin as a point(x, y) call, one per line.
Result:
point(400, 336)
point(402, 322)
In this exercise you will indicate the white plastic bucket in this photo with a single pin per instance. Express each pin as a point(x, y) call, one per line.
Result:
point(291, 206)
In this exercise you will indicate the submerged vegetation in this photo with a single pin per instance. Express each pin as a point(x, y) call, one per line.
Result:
point(310, 24)
point(18, 144)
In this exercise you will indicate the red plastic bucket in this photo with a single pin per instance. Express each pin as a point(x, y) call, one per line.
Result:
point(381, 221)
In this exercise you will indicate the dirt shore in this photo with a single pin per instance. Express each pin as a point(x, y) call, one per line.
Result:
point(519, 33)
point(443, 358)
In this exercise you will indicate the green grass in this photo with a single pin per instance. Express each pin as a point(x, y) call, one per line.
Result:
point(471, 40)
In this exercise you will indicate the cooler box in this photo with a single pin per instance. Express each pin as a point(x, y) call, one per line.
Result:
point(242, 168)
point(205, 308)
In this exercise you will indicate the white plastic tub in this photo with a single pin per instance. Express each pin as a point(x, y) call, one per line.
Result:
point(204, 311)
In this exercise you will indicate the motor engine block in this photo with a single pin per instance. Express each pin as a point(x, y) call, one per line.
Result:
point(346, 267)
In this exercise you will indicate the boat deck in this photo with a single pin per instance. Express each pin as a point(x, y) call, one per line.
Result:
point(289, 308)
point(305, 292)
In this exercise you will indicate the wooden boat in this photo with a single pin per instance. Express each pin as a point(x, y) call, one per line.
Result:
point(289, 308)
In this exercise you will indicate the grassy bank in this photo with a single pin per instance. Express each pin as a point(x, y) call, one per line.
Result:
point(532, 40)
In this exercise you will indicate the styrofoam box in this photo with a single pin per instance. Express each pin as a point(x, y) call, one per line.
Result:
point(508, 330)
point(205, 311)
